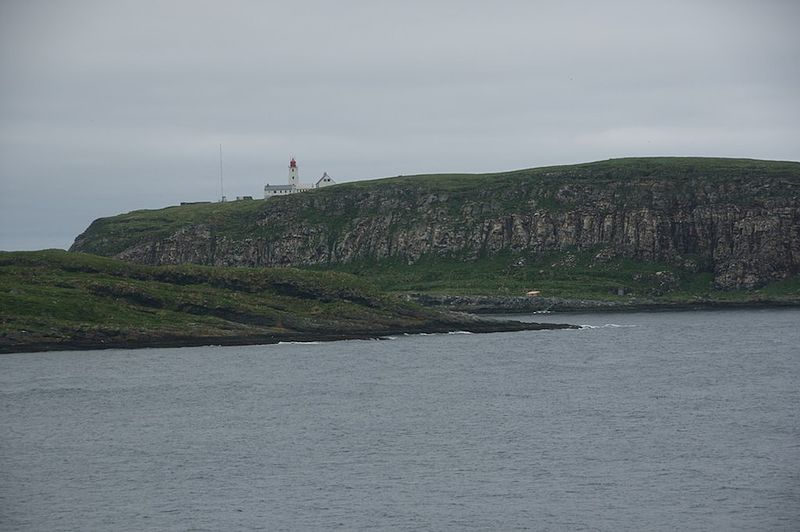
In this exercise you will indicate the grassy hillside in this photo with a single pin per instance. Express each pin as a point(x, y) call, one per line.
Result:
point(55, 299)
point(111, 235)
point(572, 275)
point(712, 168)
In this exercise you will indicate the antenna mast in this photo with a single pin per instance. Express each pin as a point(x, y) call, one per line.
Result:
point(221, 188)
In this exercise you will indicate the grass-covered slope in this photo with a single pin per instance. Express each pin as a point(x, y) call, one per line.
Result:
point(59, 300)
point(109, 236)
point(710, 168)
point(569, 276)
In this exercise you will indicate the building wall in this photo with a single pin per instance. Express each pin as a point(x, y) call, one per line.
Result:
point(294, 185)
point(286, 189)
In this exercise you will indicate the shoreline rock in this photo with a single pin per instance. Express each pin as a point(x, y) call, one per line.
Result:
point(465, 323)
point(524, 305)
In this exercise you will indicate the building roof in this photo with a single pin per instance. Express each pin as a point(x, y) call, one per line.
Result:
point(325, 177)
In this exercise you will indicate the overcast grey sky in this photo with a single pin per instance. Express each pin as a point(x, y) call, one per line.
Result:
point(110, 106)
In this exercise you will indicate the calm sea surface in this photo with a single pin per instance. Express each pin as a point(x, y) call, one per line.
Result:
point(647, 421)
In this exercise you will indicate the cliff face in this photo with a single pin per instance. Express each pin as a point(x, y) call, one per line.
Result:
point(737, 219)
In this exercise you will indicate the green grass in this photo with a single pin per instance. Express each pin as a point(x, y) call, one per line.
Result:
point(671, 168)
point(110, 235)
point(57, 295)
point(570, 275)
point(787, 288)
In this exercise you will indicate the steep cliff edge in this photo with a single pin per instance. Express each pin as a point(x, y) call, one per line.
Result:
point(738, 219)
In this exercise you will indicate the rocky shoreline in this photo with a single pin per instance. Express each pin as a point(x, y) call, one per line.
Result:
point(524, 304)
point(19, 343)
point(55, 301)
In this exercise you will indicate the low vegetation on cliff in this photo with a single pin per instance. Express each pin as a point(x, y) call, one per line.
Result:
point(569, 281)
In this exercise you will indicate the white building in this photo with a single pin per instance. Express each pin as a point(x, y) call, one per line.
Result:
point(294, 185)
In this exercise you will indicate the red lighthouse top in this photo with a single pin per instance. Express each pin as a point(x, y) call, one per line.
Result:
point(292, 163)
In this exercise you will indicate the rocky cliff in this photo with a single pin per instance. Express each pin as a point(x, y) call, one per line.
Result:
point(739, 219)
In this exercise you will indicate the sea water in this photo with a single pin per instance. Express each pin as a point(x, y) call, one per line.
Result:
point(641, 421)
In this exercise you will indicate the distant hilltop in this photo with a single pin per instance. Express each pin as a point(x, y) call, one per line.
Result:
point(734, 221)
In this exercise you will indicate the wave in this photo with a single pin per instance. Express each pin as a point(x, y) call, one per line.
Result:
point(607, 325)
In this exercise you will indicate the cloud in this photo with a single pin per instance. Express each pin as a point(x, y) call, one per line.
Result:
point(112, 106)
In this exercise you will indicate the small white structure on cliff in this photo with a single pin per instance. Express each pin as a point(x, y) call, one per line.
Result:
point(294, 185)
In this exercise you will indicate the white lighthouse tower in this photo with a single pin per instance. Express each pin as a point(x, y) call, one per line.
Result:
point(294, 183)
point(294, 179)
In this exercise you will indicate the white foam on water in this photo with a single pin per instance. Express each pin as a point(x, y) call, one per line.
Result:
point(299, 343)
point(459, 332)
point(607, 325)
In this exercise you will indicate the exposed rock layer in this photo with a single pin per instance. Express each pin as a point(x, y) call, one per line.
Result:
point(737, 219)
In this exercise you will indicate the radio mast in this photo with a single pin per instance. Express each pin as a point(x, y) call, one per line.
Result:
point(221, 188)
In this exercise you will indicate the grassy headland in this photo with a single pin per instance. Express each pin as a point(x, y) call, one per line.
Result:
point(671, 230)
point(59, 300)
point(332, 208)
